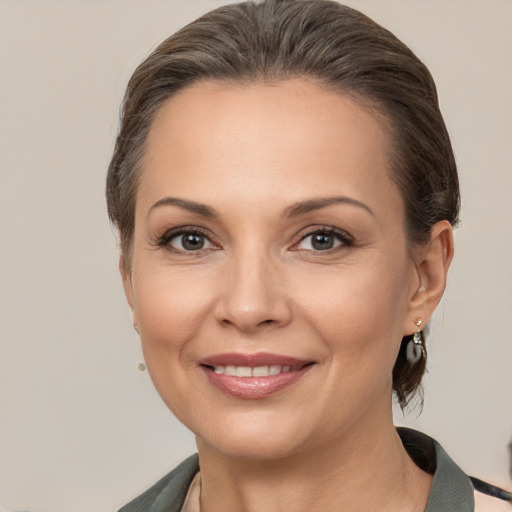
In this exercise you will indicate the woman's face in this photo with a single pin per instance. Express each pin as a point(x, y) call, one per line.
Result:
point(271, 281)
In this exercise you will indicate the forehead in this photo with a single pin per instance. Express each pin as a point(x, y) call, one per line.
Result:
point(282, 140)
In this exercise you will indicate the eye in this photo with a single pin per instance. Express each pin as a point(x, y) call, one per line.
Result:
point(189, 241)
point(324, 240)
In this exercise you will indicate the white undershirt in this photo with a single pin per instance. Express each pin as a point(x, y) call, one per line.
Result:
point(192, 503)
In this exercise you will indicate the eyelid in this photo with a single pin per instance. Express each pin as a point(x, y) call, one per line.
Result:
point(164, 240)
point(346, 239)
point(180, 238)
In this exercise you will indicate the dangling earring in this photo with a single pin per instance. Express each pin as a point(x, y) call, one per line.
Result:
point(415, 347)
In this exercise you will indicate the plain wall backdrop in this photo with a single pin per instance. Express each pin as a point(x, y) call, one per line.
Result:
point(81, 429)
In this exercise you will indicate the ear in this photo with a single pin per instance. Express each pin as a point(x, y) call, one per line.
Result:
point(126, 277)
point(432, 262)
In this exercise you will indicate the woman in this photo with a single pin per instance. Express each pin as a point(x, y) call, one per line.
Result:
point(285, 191)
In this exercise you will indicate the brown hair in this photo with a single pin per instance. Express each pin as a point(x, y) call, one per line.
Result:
point(320, 39)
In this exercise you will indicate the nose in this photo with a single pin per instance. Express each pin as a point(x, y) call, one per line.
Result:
point(253, 295)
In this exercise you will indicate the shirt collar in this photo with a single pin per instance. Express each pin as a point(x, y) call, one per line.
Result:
point(451, 488)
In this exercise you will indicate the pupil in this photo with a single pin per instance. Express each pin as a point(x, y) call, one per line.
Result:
point(192, 242)
point(322, 241)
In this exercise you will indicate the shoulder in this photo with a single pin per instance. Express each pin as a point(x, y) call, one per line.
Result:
point(486, 503)
point(451, 488)
point(489, 498)
point(168, 494)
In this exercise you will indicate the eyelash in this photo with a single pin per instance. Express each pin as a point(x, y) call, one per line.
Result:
point(340, 235)
point(165, 240)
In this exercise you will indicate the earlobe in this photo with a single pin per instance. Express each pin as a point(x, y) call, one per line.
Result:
point(432, 269)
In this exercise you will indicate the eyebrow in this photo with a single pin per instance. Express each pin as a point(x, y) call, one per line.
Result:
point(293, 210)
point(315, 204)
point(191, 206)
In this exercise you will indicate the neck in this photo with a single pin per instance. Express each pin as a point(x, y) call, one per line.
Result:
point(364, 469)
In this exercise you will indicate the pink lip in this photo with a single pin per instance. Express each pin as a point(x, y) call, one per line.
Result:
point(253, 388)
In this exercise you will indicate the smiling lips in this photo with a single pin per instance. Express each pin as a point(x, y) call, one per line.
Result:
point(253, 376)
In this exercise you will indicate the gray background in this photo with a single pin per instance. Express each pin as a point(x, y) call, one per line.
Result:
point(81, 429)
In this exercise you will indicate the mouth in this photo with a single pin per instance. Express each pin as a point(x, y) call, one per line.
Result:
point(253, 376)
point(257, 371)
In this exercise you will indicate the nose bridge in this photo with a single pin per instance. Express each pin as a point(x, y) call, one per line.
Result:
point(253, 296)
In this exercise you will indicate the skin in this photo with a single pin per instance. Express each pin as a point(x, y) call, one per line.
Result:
point(252, 153)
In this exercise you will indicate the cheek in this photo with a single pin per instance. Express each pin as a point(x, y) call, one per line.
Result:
point(169, 307)
point(358, 311)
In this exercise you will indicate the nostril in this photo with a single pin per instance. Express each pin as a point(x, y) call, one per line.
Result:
point(270, 321)
point(248, 326)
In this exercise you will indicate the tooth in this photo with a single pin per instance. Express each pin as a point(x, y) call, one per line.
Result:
point(230, 370)
point(218, 369)
point(274, 369)
point(286, 368)
point(260, 371)
point(243, 371)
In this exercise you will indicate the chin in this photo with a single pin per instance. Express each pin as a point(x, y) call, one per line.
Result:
point(250, 448)
point(256, 439)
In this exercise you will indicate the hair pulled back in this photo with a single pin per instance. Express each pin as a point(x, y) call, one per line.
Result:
point(320, 39)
